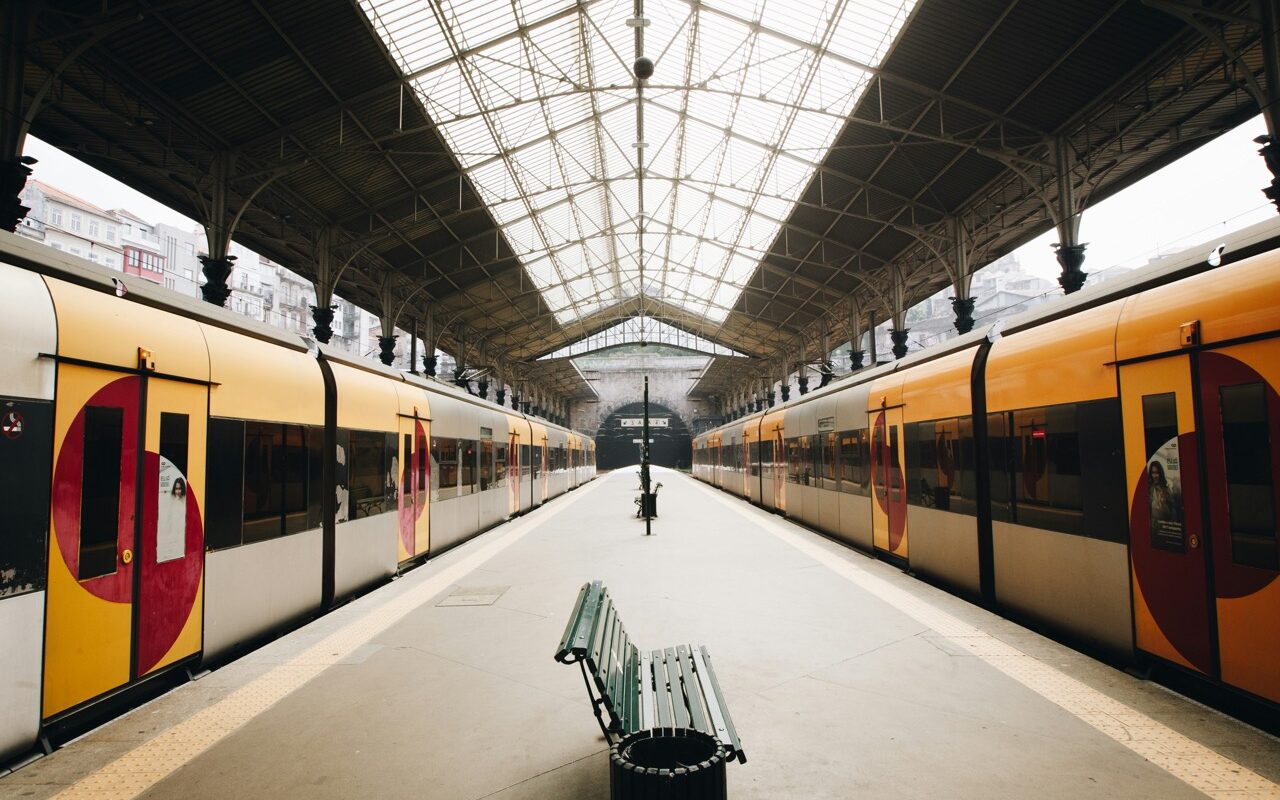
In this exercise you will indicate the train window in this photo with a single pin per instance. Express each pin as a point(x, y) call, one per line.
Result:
point(1246, 440)
point(1102, 478)
point(100, 491)
point(792, 446)
point(499, 465)
point(486, 464)
point(342, 474)
point(466, 466)
point(424, 468)
point(367, 474)
point(755, 459)
point(1046, 488)
point(391, 486)
point(827, 462)
point(940, 465)
point(171, 520)
point(525, 463)
point(1000, 450)
point(447, 474)
point(224, 483)
point(407, 481)
point(315, 476)
point(295, 479)
point(173, 440)
point(895, 466)
point(1058, 468)
point(24, 498)
point(263, 501)
point(853, 462)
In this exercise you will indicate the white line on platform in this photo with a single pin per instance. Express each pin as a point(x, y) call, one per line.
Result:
point(155, 759)
point(1191, 762)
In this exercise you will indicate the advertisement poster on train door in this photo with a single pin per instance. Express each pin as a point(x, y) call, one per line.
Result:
point(171, 519)
point(1164, 496)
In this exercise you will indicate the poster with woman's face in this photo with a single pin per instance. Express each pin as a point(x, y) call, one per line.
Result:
point(171, 520)
point(1164, 497)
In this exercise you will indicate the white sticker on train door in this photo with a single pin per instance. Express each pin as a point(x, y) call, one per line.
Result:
point(171, 517)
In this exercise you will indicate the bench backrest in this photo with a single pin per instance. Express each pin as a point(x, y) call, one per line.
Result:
point(595, 634)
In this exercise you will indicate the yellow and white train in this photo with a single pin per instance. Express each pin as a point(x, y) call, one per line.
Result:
point(1106, 466)
point(177, 481)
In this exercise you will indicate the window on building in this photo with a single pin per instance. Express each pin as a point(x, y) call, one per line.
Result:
point(55, 245)
point(94, 228)
point(75, 251)
point(76, 221)
point(111, 233)
point(55, 216)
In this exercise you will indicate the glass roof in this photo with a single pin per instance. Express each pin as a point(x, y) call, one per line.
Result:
point(641, 329)
point(537, 101)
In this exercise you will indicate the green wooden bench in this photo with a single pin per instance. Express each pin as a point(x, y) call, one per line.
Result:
point(674, 687)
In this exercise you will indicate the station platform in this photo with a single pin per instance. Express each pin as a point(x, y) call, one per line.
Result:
point(845, 678)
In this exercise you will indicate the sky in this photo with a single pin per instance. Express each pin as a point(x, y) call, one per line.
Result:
point(1217, 188)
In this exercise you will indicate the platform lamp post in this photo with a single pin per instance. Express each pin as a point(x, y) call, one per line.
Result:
point(648, 502)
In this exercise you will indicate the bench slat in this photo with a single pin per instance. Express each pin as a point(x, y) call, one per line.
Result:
point(631, 690)
point(675, 688)
point(725, 731)
point(616, 683)
point(661, 697)
point(648, 712)
point(605, 661)
point(598, 632)
point(693, 691)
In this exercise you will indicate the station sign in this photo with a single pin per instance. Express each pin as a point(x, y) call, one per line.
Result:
point(641, 441)
point(638, 422)
point(827, 424)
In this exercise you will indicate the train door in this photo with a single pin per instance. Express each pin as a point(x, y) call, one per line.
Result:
point(889, 511)
point(415, 476)
point(1169, 556)
point(1240, 417)
point(126, 559)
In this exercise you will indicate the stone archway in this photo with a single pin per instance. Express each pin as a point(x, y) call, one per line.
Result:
point(616, 446)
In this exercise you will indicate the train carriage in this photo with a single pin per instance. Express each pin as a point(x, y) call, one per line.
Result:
point(1111, 476)
point(177, 481)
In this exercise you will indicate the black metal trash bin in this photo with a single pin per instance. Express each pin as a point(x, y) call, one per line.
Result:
point(667, 764)
point(649, 504)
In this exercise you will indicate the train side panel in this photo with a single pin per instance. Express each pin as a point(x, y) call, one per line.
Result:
point(1058, 528)
point(852, 430)
point(264, 560)
point(26, 422)
point(942, 511)
point(368, 541)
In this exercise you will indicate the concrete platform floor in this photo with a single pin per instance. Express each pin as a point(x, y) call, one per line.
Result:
point(846, 678)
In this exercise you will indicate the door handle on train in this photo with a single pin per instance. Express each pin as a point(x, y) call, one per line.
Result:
point(126, 556)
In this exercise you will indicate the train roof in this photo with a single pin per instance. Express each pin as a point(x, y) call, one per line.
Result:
point(44, 260)
point(1232, 247)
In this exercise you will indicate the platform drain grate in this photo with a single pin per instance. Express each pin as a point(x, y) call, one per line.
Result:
point(473, 596)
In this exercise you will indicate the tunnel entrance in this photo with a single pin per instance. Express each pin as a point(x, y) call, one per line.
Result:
point(618, 446)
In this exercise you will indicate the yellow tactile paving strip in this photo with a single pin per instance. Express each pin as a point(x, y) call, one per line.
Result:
point(152, 761)
point(1191, 762)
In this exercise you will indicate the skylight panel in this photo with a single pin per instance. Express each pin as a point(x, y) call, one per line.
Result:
point(536, 100)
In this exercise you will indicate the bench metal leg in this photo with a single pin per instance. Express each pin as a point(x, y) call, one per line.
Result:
point(597, 704)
